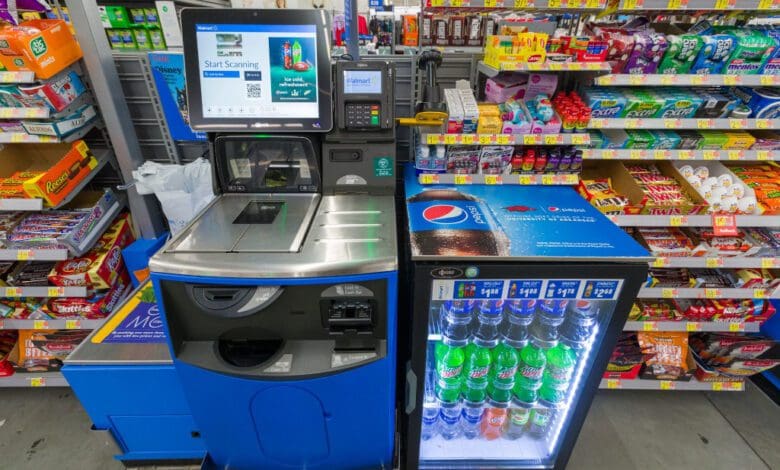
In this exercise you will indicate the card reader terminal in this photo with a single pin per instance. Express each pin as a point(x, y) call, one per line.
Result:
point(362, 95)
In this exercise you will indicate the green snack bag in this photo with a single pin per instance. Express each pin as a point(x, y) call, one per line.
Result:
point(114, 38)
point(157, 39)
point(152, 18)
point(116, 16)
point(142, 39)
point(128, 39)
point(138, 16)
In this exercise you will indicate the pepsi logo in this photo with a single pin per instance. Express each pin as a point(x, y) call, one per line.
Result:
point(445, 214)
point(553, 209)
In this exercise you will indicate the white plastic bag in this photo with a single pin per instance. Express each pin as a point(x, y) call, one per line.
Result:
point(183, 190)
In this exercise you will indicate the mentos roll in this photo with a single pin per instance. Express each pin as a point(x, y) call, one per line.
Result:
point(446, 222)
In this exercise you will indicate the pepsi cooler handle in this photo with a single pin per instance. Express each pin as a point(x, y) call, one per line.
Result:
point(411, 389)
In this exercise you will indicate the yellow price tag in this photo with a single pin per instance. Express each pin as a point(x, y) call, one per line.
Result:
point(759, 293)
point(712, 293)
point(592, 4)
point(660, 262)
point(685, 154)
point(40, 325)
point(521, 3)
point(666, 384)
point(55, 292)
point(490, 3)
point(526, 179)
point(762, 155)
point(37, 382)
point(704, 123)
point(661, 154)
point(450, 139)
point(713, 262)
point(468, 139)
point(16, 138)
point(736, 327)
point(462, 179)
point(668, 80)
point(613, 384)
point(767, 263)
point(548, 179)
point(553, 3)
point(737, 123)
point(72, 324)
point(698, 80)
point(692, 326)
point(710, 154)
point(553, 139)
point(13, 291)
point(504, 139)
point(631, 4)
point(554, 66)
point(571, 179)
point(492, 179)
point(732, 80)
point(598, 123)
point(607, 80)
point(649, 326)
point(637, 79)
point(633, 123)
point(484, 139)
point(678, 220)
point(456, 3)
point(429, 179)
point(737, 386)
point(432, 139)
point(735, 154)
point(763, 123)
point(530, 139)
point(635, 154)
point(531, 66)
point(668, 293)
point(672, 123)
point(608, 154)
point(764, 4)
point(717, 386)
point(580, 139)
point(437, 3)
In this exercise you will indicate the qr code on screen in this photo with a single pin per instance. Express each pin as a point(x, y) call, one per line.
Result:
point(253, 90)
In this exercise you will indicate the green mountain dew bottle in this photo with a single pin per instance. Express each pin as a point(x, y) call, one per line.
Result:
point(449, 365)
point(296, 52)
point(475, 374)
point(529, 375)
point(557, 376)
point(502, 375)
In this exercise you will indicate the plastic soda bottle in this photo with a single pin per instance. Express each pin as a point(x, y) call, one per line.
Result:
point(539, 422)
point(456, 322)
point(502, 375)
point(449, 420)
point(518, 419)
point(529, 375)
point(430, 413)
point(578, 326)
point(489, 316)
point(449, 366)
point(296, 52)
point(475, 374)
point(549, 316)
point(493, 423)
point(471, 421)
point(517, 316)
point(557, 375)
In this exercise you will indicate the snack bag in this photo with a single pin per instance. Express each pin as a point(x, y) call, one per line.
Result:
point(670, 353)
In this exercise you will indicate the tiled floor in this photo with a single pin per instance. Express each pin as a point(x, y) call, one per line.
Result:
point(42, 429)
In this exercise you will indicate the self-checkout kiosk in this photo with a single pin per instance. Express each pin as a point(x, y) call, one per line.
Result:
point(279, 299)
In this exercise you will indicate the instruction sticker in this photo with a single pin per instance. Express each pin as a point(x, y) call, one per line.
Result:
point(383, 166)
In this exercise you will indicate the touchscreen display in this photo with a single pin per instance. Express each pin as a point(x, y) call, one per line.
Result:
point(258, 71)
point(362, 82)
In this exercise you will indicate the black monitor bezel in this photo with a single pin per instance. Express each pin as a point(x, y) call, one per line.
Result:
point(193, 16)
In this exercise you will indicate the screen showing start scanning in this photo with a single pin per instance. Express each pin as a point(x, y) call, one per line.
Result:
point(363, 82)
point(258, 71)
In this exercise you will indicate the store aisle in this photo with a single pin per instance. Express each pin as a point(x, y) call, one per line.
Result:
point(43, 429)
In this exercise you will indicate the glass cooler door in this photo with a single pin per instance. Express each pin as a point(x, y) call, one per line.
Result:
point(506, 361)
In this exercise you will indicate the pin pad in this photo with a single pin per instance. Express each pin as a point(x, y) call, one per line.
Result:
point(361, 95)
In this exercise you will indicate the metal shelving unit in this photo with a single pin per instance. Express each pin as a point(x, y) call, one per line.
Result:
point(697, 155)
point(568, 5)
point(506, 139)
point(710, 262)
point(43, 291)
point(691, 220)
point(51, 324)
point(687, 80)
point(548, 66)
point(701, 124)
point(707, 293)
point(546, 179)
point(17, 77)
point(693, 326)
point(699, 5)
point(692, 385)
point(34, 379)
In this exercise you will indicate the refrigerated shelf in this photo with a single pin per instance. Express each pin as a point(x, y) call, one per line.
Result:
point(35, 379)
point(692, 326)
point(682, 124)
point(651, 154)
point(693, 385)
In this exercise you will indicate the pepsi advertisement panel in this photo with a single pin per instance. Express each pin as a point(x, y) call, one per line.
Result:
point(510, 221)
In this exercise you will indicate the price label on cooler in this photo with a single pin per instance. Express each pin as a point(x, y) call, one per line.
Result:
point(725, 4)
point(736, 327)
point(530, 140)
point(737, 123)
point(462, 179)
point(672, 123)
point(735, 154)
point(478, 289)
point(713, 262)
point(40, 325)
point(521, 3)
point(580, 139)
point(712, 293)
point(759, 293)
point(649, 326)
point(493, 179)
point(705, 123)
point(429, 179)
point(632, 4)
point(678, 220)
point(660, 262)
point(763, 123)
point(72, 324)
point(762, 155)
point(602, 290)
point(524, 289)
point(724, 225)
point(768, 263)
point(613, 384)
point(692, 326)
point(666, 385)
point(668, 293)
point(37, 381)
point(678, 4)
point(561, 289)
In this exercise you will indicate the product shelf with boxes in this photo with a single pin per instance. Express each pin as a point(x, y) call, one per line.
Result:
point(547, 66)
point(733, 155)
point(708, 80)
point(708, 293)
point(566, 5)
point(716, 262)
point(521, 179)
point(684, 124)
point(690, 220)
point(9, 292)
point(506, 139)
point(34, 379)
point(692, 326)
point(671, 385)
point(754, 6)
